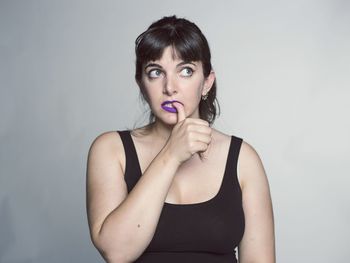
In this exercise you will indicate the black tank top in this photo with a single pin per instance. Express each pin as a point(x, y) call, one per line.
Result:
point(205, 232)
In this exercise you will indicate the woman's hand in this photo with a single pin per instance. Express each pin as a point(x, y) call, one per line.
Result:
point(189, 136)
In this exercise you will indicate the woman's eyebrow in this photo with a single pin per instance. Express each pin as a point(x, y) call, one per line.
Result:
point(185, 62)
point(153, 65)
point(178, 65)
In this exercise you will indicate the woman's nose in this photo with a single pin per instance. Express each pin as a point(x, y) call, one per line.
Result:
point(169, 86)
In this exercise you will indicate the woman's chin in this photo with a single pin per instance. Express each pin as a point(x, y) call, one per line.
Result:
point(169, 120)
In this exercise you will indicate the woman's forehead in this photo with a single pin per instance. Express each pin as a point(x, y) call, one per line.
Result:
point(171, 54)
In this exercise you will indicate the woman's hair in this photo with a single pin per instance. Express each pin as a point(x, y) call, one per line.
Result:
point(190, 45)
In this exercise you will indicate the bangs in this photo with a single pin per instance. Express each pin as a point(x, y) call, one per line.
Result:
point(186, 45)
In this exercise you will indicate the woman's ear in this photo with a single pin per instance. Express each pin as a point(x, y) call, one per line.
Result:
point(208, 83)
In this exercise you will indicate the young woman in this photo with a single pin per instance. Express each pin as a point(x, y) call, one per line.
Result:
point(177, 190)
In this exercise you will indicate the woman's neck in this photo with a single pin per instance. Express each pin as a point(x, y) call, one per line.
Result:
point(160, 130)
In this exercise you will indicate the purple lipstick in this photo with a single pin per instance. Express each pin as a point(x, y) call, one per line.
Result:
point(167, 106)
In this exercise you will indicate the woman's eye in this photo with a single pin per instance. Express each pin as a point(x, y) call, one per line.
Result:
point(154, 73)
point(186, 72)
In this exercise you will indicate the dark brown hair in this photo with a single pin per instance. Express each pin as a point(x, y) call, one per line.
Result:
point(190, 45)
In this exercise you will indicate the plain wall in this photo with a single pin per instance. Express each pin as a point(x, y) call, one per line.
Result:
point(67, 75)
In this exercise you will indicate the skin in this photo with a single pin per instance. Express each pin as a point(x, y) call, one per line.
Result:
point(120, 225)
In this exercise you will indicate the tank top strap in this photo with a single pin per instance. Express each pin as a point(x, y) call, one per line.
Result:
point(231, 184)
point(234, 151)
point(132, 166)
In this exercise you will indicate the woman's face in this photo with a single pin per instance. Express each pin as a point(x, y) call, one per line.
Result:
point(170, 78)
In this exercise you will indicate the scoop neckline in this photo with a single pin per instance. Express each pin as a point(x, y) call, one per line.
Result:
point(216, 196)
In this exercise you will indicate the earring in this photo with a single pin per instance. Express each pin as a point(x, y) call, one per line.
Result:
point(204, 97)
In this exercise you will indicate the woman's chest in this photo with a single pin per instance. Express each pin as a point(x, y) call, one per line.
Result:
point(196, 180)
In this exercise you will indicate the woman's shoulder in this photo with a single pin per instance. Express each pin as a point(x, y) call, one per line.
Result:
point(246, 148)
point(250, 166)
point(107, 139)
point(224, 137)
point(108, 144)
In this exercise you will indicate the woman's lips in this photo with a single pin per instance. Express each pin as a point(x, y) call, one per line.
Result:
point(167, 106)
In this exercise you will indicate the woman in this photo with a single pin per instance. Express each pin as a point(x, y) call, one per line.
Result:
point(177, 190)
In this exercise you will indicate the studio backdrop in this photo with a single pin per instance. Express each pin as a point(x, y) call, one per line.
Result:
point(67, 75)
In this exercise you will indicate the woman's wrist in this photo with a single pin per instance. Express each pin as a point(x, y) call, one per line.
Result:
point(168, 157)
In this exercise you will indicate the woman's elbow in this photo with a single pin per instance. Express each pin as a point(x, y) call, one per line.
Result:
point(111, 254)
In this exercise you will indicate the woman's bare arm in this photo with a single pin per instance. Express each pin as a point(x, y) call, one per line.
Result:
point(123, 225)
point(258, 243)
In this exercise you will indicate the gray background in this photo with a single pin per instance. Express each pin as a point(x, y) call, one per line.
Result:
point(67, 75)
